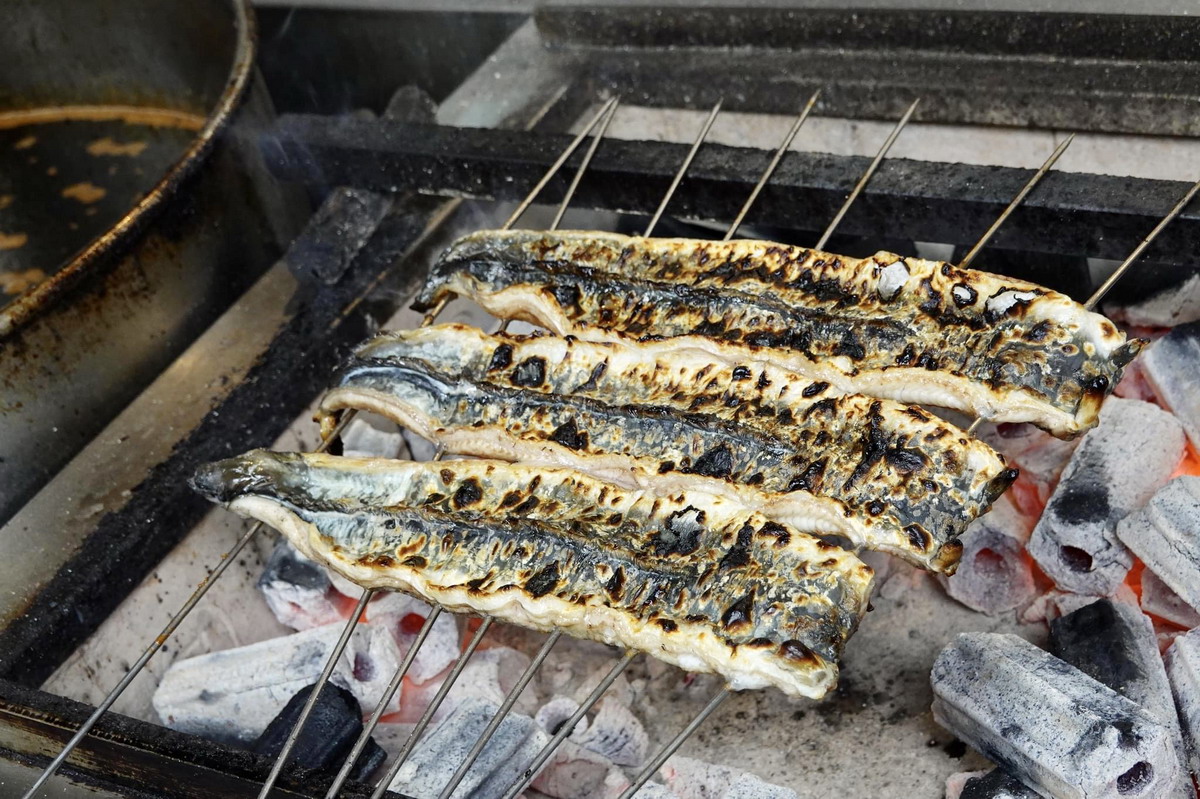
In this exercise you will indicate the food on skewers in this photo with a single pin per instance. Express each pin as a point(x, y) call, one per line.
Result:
point(881, 475)
point(692, 579)
point(899, 328)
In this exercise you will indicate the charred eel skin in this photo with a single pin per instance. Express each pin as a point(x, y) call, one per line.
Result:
point(692, 579)
point(883, 475)
point(905, 329)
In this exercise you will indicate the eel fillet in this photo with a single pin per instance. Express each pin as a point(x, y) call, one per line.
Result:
point(883, 475)
point(905, 329)
point(692, 579)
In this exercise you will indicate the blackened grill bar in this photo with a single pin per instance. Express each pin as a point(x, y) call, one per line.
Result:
point(1100, 216)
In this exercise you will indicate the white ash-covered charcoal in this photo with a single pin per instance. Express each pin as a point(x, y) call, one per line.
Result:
point(1049, 724)
point(1172, 367)
point(574, 772)
point(298, 590)
point(371, 436)
point(440, 753)
point(956, 781)
point(1040, 456)
point(488, 675)
point(1055, 604)
point(555, 713)
point(615, 733)
point(1159, 600)
point(1165, 534)
point(995, 574)
point(689, 778)
point(404, 616)
point(748, 786)
point(994, 784)
point(328, 734)
point(1115, 469)
point(1114, 643)
point(1183, 669)
point(234, 694)
point(1174, 305)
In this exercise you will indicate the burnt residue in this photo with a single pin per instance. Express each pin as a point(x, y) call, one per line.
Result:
point(543, 581)
point(469, 492)
point(570, 436)
point(717, 462)
point(530, 373)
point(501, 358)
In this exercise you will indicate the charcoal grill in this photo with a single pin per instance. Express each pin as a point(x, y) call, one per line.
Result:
point(499, 133)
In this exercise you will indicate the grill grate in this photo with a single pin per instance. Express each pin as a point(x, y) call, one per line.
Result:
point(599, 123)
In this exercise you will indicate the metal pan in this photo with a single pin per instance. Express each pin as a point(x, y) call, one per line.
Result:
point(133, 208)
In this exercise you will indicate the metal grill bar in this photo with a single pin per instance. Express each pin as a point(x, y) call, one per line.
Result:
point(427, 716)
point(866, 177)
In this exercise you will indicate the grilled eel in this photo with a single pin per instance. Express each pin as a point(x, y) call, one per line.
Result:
point(900, 328)
point(692, 579)
point(883, 476)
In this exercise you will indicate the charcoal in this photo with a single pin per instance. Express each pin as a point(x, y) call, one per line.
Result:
point(404, 616)
point(1165, 534)
point(997, 784)
point(748, 786)
point(297, 589)
point(1115, 469)
point(615, 733)
point(371, 436)
point(573, 772)
point(328, 735)
point(232, 695)
point(1172, 367)
point(1175, 304)
point(1114, 643)
point(440, 753)
point(339, 229)
point(552, 715)
point(1049, 724)
point(1183, 669)
point(1159, 600)
point(995, 574)
point(689, 778)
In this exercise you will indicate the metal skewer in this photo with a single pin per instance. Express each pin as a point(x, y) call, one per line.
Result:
point(1012, 206)
point(866, 178)
point(330, 664)
point(683, 168)
point(381, 707)
point(1094, 300)
point(770, 170)
point(498, 718)
point(656, 762)
point(568, 726)
point(583, 165)
point(427, 716)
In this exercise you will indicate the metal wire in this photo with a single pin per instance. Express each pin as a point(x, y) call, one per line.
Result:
point(497, 719)
point(683, 168)
point(393, 686)
point(568, 726)
point(866, 178)
point(770, 170)
point(562, 159)
point(1012, 206)
point(427, 716)
point(1094, 300)
point(330, 664)
point(583, 165)
point(656, 762)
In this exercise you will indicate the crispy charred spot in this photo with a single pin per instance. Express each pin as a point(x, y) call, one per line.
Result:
point(920, 416)
point(827, 405)
point(850, 346)
point(760, 643)
point(741, 373)
point(876, 507)
point(615, 519)
point(927, 361)
point(528, 505)
point(1001, 483)
point(739, 554)
point(681, 533)
point(905, 460)
point(475, 585)
point(530, 372)
point(510, 499)
point(594, 378)
point(468, 493)
point(380, 561)
point(762, 382)
point(1038, 332)
point(780, 533)
point(917, 537)
point(797, 652)
point(739, 613)
point(874, 444)
point(755, 479)
point(709, 328)
point(566, 296)
point(570, 436)
point(666, 466)
point(810, 479)
point(786, 416)
point(501, 357)
point(416, 561)
point(717, 462)
point(963, 295)
point(543, 581)
point(907, 356)
point(447, 476)
point(667, 625)
point(1098, 384)
point(616, 583)
point(813, 389)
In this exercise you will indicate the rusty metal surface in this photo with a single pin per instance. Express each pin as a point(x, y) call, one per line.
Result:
point(80, 345)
